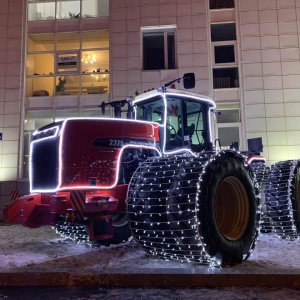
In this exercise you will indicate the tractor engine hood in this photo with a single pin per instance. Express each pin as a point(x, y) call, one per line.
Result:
point(85, 153)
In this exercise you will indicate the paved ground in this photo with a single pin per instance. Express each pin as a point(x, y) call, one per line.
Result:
point(113, 293)
point(39, 258)
point(148, 278)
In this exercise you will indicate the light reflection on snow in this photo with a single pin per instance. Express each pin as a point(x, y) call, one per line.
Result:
point(23, 247)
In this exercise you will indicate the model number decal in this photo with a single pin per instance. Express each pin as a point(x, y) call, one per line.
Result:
point(119, 143)
point(115, 143)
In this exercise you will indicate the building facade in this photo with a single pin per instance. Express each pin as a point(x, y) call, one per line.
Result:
point(63, 58)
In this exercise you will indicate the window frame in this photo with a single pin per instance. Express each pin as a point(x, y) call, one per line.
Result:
point(234, 108)
point(232, 78)
point(226, 65)
point(165, 30)
point(220, 4)
point(237, 125)
point(101, 87)
point(228, 43)
point(35, 15)
point(223, 23)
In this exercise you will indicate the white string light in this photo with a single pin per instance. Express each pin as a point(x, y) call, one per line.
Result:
point(181, 239)
point(279, 198)
point(112, 180)
point(163, 206)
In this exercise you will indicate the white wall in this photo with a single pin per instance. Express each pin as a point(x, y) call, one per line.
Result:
point(11, 84)
point(271, 69)
point(127, 18)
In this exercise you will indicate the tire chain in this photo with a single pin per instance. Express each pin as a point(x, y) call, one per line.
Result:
point(77, 233)
point(278, 197)
point(183, 207)
point(157, 225)
point(261, 172)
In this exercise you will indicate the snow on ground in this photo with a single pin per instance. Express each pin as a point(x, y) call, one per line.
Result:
point(43, 248)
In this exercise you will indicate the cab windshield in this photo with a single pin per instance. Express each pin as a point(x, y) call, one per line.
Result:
point(186, 124)
point(151, 110)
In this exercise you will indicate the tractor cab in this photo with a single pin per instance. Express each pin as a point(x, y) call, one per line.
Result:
point(183, 117)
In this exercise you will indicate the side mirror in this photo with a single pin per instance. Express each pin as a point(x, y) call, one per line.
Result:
point(102, 108)
point(189, 80)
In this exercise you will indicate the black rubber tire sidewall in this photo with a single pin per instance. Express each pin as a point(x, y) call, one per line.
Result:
point(279, 197)
point(230, 252)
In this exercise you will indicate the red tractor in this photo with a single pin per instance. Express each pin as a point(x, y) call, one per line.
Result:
point(154, 176)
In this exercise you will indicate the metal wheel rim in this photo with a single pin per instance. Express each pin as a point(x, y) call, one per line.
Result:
point(232, 208)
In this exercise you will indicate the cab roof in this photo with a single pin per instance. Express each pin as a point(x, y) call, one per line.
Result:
point(170, 91)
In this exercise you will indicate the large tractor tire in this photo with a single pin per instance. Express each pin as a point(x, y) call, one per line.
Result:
point(209, 208)
point(147, 197)
point(282, 197)
point(228, 209)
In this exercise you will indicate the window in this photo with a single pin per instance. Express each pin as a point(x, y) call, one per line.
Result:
point(223, 32)
point(228, 125)
point(152, 110)
point(185, 121)
point(67, 41)
point(231, 115)
point(41, 10)
point(226, 78)
point(67, 9)
point(159, 48)
point(224, 54)
point(225, 69)
point(95, 8)
point(67, 64)
point(219, 4)
point(195, 122)
point(186, 124)
point(229, 134)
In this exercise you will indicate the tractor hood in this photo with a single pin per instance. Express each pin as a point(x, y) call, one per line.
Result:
point(85, 153)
